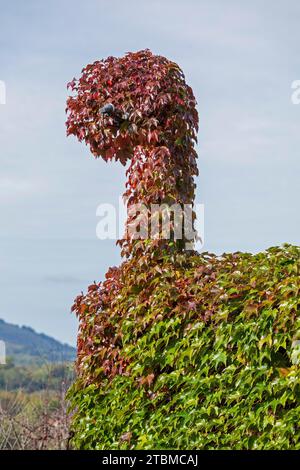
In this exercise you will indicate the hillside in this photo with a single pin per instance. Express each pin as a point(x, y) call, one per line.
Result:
point(24, 346)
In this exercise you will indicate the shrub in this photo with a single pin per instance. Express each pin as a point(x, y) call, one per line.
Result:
point(200, 352)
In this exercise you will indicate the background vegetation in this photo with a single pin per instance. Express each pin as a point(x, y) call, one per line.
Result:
point(176, 350)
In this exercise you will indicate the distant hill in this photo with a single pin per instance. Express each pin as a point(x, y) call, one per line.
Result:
point(24, 346)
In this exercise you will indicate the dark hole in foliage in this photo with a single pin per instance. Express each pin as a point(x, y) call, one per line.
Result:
point(280, 358)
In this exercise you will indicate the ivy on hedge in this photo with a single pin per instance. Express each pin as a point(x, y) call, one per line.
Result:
point(204, 354)
point(176, 350)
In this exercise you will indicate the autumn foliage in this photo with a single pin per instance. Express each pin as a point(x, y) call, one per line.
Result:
point(177, 350)
point(154, 128)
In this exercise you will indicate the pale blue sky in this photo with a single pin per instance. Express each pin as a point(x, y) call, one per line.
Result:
point(240, 57)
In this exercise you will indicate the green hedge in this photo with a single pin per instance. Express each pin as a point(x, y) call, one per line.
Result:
point(212, 351)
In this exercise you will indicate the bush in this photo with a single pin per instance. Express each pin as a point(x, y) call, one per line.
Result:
point(194, 352)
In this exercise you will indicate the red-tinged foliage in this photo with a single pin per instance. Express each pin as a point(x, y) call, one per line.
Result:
point(130, 291)
point(154, 126)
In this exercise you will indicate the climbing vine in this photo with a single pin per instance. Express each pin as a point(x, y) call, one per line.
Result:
point(177, 350)
point(149, 118)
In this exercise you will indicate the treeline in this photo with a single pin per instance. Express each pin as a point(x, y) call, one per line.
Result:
point(35, 378)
